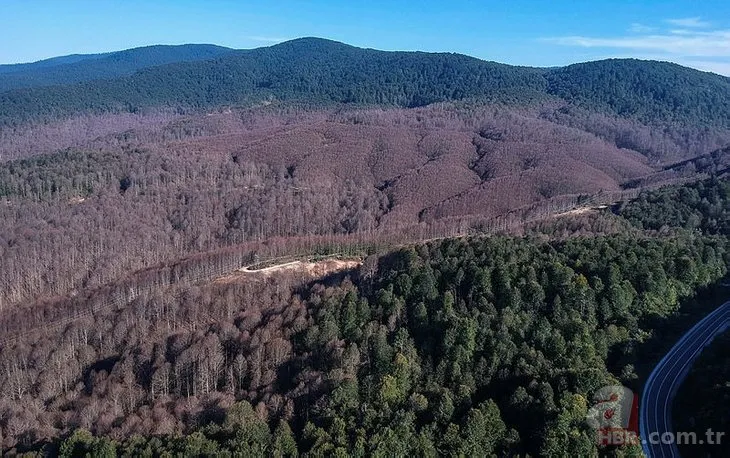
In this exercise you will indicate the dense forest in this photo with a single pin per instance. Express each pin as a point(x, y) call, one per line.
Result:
point(466, 346)
point(308, 70)
point(488, 345)
point(316, 249)
point(702, 206)
point(322, 71)
point(648, 91)
point(702, 399)
point(89, 67)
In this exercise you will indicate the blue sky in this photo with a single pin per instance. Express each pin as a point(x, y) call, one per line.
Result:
point(541, 33)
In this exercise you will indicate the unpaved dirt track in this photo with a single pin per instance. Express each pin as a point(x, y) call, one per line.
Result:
point(274, 268)
point(310, 269)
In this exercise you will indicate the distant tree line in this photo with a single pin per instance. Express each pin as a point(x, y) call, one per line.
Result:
point(701, 206)
point(325, 72)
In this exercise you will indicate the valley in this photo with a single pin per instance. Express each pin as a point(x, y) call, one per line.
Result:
point(317, 249)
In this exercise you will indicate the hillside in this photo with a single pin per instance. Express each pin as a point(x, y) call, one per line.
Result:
point(178, 186)
point(50, 62)
point(644, 90)
point(307, 70)
point(316, 249)
point(482, 345)
point(325, 72)
point(89, 67)
point(332, 140)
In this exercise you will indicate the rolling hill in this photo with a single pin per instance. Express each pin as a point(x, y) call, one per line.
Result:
point(150, 198)
point(89, 67)
point(314, 137)
point(320, 71)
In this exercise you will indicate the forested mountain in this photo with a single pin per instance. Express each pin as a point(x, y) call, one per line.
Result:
point(322, 71)
point(89, 67)
point(311, 70)
point(701, 206)
point(645, 90)
point(503, 237)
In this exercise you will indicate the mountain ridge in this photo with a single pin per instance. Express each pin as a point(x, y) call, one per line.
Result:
point(76, 68)
point(321, 71)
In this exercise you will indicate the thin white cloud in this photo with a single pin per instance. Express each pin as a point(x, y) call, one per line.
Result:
point(266, 39)
point(637, 27)
point(705, 49)
point(694, 22)
point(721, 68)
point(716, 44)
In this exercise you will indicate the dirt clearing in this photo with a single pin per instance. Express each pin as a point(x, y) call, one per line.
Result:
point(312, 269)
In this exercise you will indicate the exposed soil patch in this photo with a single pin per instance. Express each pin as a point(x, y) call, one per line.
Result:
point(313, 269)
point(582, 211)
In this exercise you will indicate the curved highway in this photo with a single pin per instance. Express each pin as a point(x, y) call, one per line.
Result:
point(655, 414)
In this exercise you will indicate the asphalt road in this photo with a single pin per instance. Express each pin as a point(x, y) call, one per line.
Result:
point(655, 412)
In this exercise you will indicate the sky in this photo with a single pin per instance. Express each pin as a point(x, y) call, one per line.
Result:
point(519, 32)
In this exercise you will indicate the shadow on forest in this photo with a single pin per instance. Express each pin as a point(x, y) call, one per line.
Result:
point(105, 365)
point(667, 331)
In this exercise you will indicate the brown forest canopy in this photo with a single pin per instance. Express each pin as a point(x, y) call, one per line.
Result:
point(129, 191)
point(127, 203)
